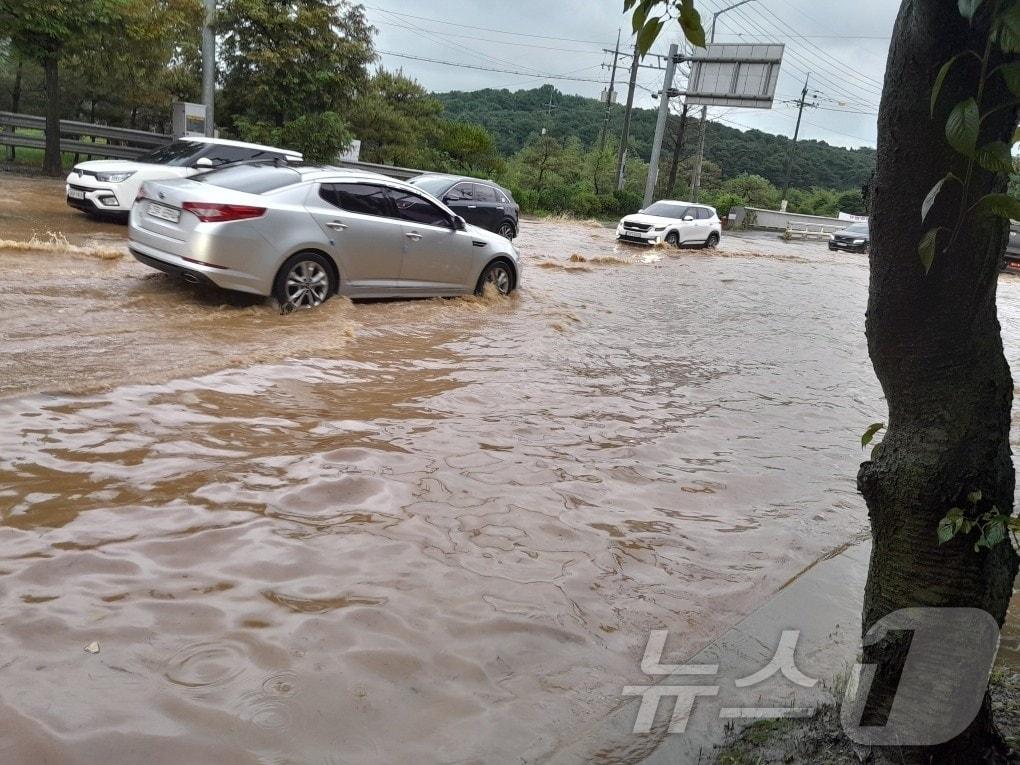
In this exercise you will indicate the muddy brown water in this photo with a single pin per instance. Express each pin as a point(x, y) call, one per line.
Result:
point(422, 531)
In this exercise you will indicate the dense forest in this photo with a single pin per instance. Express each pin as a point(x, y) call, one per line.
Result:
point(514, 118)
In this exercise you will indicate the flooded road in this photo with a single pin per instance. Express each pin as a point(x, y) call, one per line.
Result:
point(423, 531)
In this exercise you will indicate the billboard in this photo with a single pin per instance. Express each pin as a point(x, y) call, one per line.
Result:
point(735, 75)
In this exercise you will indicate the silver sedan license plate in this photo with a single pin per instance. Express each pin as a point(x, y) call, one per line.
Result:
point(162, 211)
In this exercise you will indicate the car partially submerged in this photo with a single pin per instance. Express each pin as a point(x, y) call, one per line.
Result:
point(672, 222)
point(854, 238)
point(107, 188)
point(1011, 260)
point(303, 234)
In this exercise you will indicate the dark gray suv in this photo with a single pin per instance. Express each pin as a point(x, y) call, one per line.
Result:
point(483, 203)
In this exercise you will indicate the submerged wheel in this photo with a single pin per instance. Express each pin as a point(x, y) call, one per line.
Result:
point(673, 238)
point(498, 275)
point(712, 241)
point(507, 230)
point(305, 281)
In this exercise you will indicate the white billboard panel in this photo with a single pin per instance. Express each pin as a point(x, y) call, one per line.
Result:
point(735, 75)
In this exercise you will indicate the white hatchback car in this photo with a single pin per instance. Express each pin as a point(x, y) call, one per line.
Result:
point(672, 222)
point(108, 187)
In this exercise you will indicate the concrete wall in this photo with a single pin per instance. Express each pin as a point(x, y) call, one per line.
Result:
point(773, 220)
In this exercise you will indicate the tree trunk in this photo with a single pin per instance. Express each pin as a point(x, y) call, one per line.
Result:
point(52, 164)
point(935, 344)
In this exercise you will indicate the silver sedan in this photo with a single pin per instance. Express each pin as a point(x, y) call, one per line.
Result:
point(302, 234)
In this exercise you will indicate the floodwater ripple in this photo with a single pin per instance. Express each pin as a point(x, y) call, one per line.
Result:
point(409, 531)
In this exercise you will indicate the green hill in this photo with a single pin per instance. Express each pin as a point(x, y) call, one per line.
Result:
point(514, 117)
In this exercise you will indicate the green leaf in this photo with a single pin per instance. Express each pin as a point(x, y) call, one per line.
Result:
point(640, 16)
point(995, 533)
point(995, 157)
point(1011, 74)
point(946, 531)
point(968, 8)
point(936, 88)
point(1009, 30)
point(962, 127)
point(1016, 135)
point(870, 433)
point(999, 206)
point(649, 32)
point(926, 248)
point(933, 194)
point(690, 21)
point(974, 497)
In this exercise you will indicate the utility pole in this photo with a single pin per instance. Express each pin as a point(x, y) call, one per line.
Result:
point(696, 180)
point(678, 145)
point(209, 66)
point(793, 145)
point(621, 159)
point(609, 96)
point(660, 125)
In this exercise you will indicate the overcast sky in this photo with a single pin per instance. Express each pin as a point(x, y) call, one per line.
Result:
point(842, 45)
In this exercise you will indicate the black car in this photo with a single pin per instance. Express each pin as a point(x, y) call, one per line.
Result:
point(483, 203)
point(1011, 260)
point(854, 238)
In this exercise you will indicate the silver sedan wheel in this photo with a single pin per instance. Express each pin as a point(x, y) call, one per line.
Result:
point(507, 231)
point(499, 277)
point(307, 284)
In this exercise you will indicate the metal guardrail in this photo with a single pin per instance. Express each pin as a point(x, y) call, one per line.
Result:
point(808, 231)
point(129, 143)
point(121, 143)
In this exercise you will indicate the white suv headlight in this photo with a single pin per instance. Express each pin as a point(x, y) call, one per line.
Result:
point(114, 177)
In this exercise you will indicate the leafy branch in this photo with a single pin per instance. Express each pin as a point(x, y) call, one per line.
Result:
point(963, 127)
point(991, 525)
point(647, 20)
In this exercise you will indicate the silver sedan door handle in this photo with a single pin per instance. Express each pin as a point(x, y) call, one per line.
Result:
point(337, 225)
point(414, 236)
point(472, 207)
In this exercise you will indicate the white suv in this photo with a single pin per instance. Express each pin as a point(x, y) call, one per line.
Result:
point(108, 187)
point(672, 222)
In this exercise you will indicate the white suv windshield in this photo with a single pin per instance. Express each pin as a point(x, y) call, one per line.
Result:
point(666, 210)
point(179, 153)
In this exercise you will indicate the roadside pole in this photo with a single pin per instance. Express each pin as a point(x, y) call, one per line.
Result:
point(621, 159)
point(678, 146)
point(660, 125)
point(609, 96)
point(209, 67)
point(793, 145)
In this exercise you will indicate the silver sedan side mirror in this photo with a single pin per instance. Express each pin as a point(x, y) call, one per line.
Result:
point(459, 224)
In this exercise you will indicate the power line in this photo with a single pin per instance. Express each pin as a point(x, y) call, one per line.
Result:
point(801, 65)
point(488, 29)
point(465, 48)
point(863, 78)
point(822, 37)
point(491, 69)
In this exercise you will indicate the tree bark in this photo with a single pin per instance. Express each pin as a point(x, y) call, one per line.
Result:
point(935, 344)
point(52, 164)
